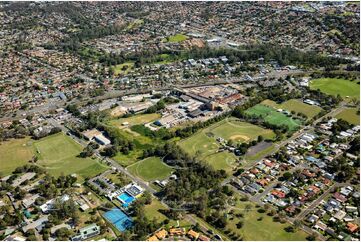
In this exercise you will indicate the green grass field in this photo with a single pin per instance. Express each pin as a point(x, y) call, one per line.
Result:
point(265, 229)
point(204, 146)
point(222, 161)
point(271, 116)
point(176, 38)
point(151, 168)
point(295, 105)
point(350, 115)
point(204, 142)
point(58, 155)
point(123, 68)
point(333, 86)
point(134, 120)
point(14, 153)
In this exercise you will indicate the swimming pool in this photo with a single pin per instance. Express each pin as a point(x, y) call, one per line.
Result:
point(119, 219)
point(126, 199)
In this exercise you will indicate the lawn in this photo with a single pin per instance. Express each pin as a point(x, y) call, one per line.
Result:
point(123, 68)
point(295, 105)
point(14, 153)
point(154, 209)
point(333, 86)
point(176, 38)
point(222, 161)
point(135, 120)
point(58, 154)
point(151, 168)
point(265, 229)
point(350, 115)
point(271, 116)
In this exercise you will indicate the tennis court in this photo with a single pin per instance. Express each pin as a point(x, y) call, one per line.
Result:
point(119, 219)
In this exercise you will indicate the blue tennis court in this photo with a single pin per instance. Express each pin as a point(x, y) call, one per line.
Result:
point(119, 219)
point(126, 199)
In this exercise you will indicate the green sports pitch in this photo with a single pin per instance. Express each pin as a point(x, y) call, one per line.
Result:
point(58, 154)
point(151, 168)
point(274, 117)
point(204, 145)
point(334, 86)
point(295, 105)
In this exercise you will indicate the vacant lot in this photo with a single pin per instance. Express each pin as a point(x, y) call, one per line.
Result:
point(58, 154)
point(134, 120)
point(14, 153)
point(260, 226)
point(350, 115)
point(333, 86)
point(271, 116)
point(150, 169)
point(295, 105)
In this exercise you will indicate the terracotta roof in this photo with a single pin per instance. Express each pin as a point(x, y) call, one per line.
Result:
point(193, 234)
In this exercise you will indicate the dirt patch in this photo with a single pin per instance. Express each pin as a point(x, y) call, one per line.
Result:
point(118, 111)
point(258, 148)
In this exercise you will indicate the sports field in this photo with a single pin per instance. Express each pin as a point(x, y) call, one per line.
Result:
point(204, 145)
point(255, 228)
point(204, 142)
point(271, 116)
point(333, 86)
point(151, 168)
point(222, 161)
point(14, 153)
point(58, 155)
point(134, 120)
point(350, 115)
point(295, 105)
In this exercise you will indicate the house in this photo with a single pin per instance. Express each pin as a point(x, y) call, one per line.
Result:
point(38, 224)
point(339, 197)
point(352, 227)
point(87, 232)
point(193, 234)
point(340, 215)
point(15, 238)
point(203, 238)
point(177, 231)
point(153, 238)
point(313, 218)
point(320, 225)
point(29, 201)
point(161, 234)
